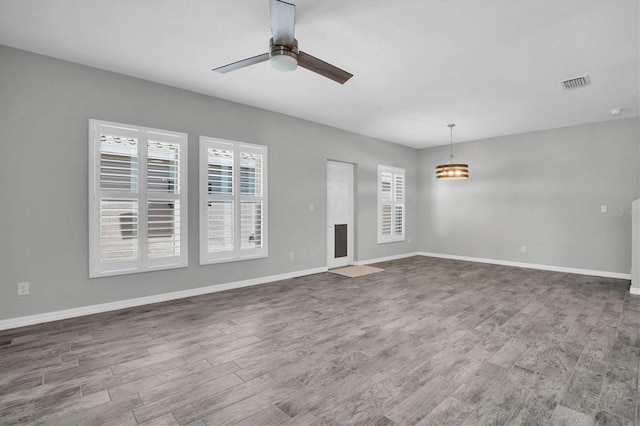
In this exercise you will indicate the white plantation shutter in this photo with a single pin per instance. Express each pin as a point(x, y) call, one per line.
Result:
point(398, 191)
point(398, 220)
point(164, 236)
point(137, 199)
point(232, 200)
point(118, 237)
point(251, 163)
point(163, 228)
point(398, 207)
point(220, 198)
point(118, 203)
point(386, 219)
point(220, 226)
point(391, 204)
point(386, 179)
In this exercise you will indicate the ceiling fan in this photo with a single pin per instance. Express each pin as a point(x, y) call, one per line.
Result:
point(283, 48)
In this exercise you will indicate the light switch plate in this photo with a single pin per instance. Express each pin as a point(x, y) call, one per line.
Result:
point(23, 289)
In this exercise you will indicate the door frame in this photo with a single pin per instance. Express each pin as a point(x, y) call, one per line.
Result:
point(332, 262)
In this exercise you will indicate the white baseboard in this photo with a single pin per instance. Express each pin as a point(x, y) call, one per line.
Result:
point(595, 273)
point(385, 259)
point(129, 303)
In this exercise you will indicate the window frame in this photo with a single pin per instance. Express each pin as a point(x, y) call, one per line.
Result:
point(236, 253)
point(393, 203)
point(142, 197)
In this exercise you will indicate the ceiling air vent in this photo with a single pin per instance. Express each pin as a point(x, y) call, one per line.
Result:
point(574, 83)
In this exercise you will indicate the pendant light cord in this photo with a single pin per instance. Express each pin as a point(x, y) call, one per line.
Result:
point(451, 145)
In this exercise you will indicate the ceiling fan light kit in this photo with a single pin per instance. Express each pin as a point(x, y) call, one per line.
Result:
point(450, 170)
point(283, 48)
point(282, 58)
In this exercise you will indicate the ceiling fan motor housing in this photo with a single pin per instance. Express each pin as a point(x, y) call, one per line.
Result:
point(277, 49)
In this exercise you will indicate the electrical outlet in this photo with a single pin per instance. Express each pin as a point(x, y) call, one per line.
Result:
point(23, 289)
point(291, 255)
point(603, 209)
point(523, 249)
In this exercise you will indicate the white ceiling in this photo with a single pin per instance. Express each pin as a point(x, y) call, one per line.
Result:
point(492, 67)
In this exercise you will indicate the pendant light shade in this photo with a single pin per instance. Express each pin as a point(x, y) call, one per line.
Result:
point(451, 170)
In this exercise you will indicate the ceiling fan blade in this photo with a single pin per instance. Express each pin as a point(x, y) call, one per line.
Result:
point(283, 21)
point(243, 63)
point(323, 68)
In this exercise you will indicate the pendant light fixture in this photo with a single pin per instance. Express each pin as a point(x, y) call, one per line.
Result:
point(451, 170)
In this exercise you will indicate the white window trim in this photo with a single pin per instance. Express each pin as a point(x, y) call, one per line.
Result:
point(395, 171)
point(143, 263)
point(236, 254)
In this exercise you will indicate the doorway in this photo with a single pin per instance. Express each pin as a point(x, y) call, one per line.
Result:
point(340, 236)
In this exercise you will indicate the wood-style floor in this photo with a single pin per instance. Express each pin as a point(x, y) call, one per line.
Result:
point(427, 341)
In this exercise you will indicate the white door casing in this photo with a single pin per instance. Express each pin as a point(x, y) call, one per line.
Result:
point(339, 210)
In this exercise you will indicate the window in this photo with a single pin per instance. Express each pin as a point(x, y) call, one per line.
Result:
point(391, 210)
point(137, 199)
point(233, 201)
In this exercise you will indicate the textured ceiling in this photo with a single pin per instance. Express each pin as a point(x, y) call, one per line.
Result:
point(492, 67)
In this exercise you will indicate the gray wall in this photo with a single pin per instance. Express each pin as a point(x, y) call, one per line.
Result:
point(45, 105)
point(542, 190)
